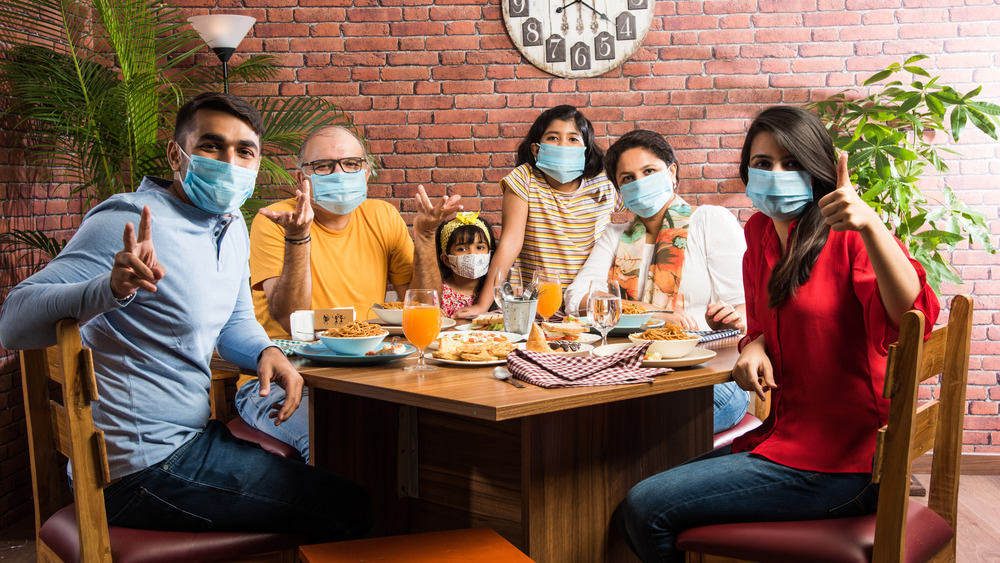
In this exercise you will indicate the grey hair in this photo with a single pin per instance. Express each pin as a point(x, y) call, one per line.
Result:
point(326, 130)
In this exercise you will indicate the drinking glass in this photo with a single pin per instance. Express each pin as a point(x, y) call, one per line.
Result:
point(513, 276)
point(549, 287)
point(421, 323)
point(604, 307)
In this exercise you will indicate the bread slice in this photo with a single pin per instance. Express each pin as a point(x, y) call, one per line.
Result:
point(565, 329)
point(488, 319)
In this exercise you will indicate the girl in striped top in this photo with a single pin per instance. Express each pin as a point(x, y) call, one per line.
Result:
point(556, 203)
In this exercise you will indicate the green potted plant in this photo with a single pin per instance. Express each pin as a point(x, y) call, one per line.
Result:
point(95, 85)
point(887, 136)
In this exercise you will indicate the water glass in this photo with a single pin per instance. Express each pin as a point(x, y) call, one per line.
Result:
point(604, 307)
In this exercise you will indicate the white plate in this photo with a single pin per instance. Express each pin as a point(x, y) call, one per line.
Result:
point(585, 350)
point(446, 323)
point(586, 338)
point(695, 357)
point(464, 363)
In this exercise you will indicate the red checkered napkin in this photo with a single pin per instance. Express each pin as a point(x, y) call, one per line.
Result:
point(555, 370)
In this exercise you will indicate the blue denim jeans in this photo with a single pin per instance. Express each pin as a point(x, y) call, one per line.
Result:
point(730, 406)
point(217, 482)
point(722, 487)
point(254, 410)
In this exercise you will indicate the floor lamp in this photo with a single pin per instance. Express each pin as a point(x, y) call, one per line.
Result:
point(223, 33)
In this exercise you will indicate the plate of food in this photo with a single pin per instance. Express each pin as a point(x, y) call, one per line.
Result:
point(473, 348)
point(568, 331)
point(620, 330)
point(381, 355)
point(653, 360)
point(446, 323)
point(538, 342)
point(670, 341)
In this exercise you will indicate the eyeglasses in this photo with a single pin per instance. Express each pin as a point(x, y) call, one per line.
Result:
point(328, 165)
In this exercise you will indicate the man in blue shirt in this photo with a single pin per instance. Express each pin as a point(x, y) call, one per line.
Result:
point(153, 304)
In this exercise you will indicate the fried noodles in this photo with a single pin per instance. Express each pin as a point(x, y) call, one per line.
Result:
point(668, 331)
point(393, 305)
point(633, 309)
point(356, 329)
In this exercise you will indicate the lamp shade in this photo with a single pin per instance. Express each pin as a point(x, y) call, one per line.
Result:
point(222, 32)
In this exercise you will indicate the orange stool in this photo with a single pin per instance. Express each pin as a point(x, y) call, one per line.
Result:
point(475, 544)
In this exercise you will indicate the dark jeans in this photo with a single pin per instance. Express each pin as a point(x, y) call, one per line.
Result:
point(722, 487)
point(217, 482)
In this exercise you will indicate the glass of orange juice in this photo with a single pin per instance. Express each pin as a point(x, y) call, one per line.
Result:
point(421, 323)
point(549, 287)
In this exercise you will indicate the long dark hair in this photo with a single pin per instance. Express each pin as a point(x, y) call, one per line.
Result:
point(593, 154)
point(803, 135)
point(650, 141)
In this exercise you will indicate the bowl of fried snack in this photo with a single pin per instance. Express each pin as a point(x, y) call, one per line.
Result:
point(669, 341)
point(353, 339)
point(633, 316)
point(391, 312)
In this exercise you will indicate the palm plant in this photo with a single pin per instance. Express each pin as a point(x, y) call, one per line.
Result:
point(886, 136)
point(95, 84)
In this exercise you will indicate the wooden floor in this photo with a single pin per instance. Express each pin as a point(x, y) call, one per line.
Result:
point(978, 527)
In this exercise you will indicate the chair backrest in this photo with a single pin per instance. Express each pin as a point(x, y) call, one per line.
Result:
point(912, 431)
point(66, 428)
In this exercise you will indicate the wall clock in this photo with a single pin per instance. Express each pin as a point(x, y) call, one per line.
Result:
point(577, 38)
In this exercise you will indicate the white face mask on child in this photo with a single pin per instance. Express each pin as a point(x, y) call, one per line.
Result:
point(471, 266)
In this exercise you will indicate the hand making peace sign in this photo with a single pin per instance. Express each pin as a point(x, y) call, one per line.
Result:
point(135, 266)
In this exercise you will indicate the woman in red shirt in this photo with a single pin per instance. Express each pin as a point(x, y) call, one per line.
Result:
point(826, 287)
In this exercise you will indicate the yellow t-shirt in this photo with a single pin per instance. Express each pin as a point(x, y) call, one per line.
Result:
point(349, 268)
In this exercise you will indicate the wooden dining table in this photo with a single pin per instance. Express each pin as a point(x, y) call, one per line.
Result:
point(546, 468)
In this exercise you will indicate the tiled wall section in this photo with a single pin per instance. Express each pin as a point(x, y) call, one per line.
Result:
point(445, 97)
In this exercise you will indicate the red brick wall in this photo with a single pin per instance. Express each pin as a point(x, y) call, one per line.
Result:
point(444, 98)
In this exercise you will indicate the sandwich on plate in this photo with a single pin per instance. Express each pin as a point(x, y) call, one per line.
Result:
point(563, 331)
point(489, 321)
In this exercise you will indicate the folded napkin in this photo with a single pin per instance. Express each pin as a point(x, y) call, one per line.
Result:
point(289, 346)
point(710, 335)
point(555, 370)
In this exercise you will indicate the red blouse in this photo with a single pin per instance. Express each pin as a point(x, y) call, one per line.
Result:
point(828, 347)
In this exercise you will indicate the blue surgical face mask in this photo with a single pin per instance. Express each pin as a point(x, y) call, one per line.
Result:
point(215, 186)
point(340, 192)
point(646, 196)
point(563, 164)
point(779, 195)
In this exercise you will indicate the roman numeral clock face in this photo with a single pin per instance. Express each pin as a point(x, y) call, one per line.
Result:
point(577, 38)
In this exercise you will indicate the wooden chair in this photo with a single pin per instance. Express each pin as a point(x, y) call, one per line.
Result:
point(475, 544)
point(899, 531)
point(80, 531)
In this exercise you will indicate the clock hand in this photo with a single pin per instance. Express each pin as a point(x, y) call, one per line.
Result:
point(561, 8)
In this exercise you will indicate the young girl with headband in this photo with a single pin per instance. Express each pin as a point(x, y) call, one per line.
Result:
point(461, 247)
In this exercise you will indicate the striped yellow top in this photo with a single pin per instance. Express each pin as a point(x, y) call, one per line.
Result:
point(562, 227)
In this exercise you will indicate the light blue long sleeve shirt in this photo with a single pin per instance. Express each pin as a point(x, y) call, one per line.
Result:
point(151, 355)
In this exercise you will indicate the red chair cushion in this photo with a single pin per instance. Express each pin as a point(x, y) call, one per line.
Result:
point(837, 540)
point(726, 437)
point(129, 545)
point(244, 431)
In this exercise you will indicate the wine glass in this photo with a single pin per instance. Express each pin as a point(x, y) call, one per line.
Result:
point(549, 286)
point(513, 275)
point(421, 323)
point(604, 306)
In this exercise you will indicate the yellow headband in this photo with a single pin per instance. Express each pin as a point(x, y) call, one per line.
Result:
point(463, 218)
